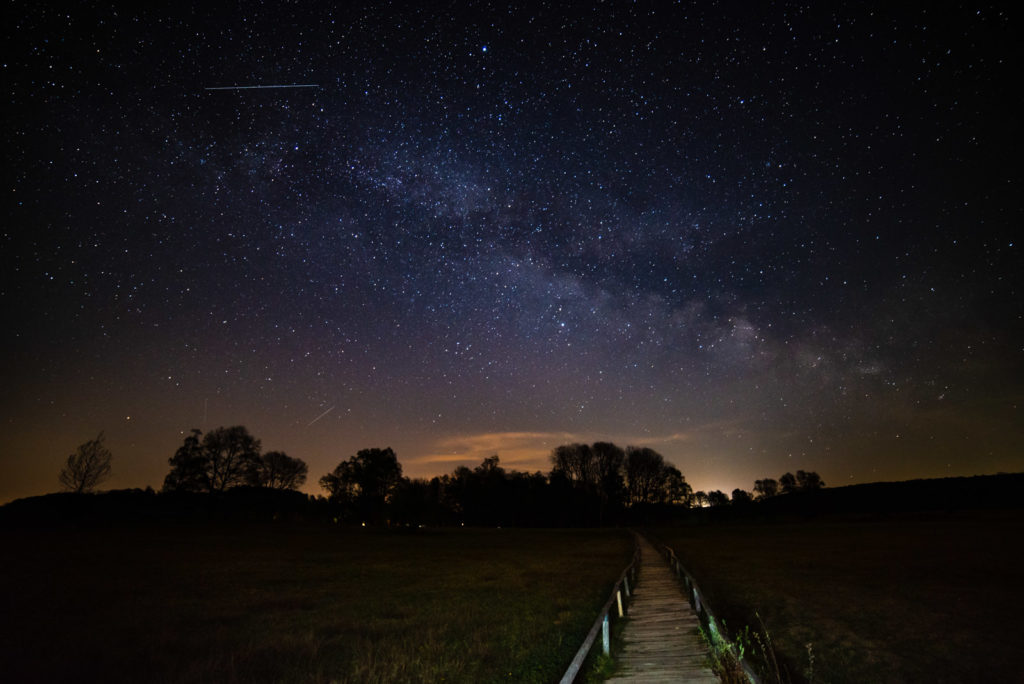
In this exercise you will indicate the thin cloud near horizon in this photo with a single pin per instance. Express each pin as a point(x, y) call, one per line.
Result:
point(518, 449)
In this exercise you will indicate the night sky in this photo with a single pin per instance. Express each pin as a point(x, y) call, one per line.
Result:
point(755, 239)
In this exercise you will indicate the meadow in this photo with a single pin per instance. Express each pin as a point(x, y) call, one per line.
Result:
point(295, 603)
point(898, 598)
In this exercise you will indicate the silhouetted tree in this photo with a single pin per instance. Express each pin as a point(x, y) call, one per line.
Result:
point(575, 461)
point(490, 489)
point(418, 502)
point(531, 495)
point(766, 488)
point(230, 454)
point(700, 498)
point(809, 481)
point(87, 467)
point(788, 483)
point(741, 497)
point(594, 473)
point(454, 492)
point(490, 469)
point(277, 470)
point(188, 466)
point(718, 498)
point(480, 496)
point(608, 463)
point(646, 473)
point(574, 476)
point(491, 495)
point(677, 490)
point(366, 481)
point(223, 459)
point(337, 483)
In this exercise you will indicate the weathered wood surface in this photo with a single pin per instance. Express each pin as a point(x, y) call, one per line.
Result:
point(661, 643)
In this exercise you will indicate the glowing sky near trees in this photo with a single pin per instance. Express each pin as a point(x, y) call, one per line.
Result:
point(753, 239)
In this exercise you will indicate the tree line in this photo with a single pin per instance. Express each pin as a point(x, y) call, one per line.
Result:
point(230, 457)
point(588, 484)
point(768, 488)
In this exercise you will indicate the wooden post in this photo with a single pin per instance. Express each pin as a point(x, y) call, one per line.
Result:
point(618, 597)
point(605, 640)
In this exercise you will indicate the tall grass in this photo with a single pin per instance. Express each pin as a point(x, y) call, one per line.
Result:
point(301, 604)
point(899, 599)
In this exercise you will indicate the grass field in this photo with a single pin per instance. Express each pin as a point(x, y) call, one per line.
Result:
point(935, 598)
point(300, 604)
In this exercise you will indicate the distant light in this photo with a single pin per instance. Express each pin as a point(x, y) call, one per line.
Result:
point(483, 48)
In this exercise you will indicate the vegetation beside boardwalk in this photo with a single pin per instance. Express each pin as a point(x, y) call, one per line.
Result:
point(296, 603)
point(897, 598)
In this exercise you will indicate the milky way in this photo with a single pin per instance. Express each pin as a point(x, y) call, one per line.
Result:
point(754, 240)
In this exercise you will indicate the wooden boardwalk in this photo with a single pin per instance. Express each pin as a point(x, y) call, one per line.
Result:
point(661, 640)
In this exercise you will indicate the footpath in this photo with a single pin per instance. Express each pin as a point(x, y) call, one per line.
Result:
point(661, 640)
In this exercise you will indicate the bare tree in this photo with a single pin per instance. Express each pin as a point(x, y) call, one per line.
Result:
point(87, 467)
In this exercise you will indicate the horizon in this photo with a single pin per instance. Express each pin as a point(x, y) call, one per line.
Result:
point(429, 467)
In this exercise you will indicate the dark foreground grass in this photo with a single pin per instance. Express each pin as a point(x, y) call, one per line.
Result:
point(934, 598)
point(300, 604)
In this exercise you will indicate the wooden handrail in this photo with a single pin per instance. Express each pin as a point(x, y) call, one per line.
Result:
point(602, 619)
point(700, 604)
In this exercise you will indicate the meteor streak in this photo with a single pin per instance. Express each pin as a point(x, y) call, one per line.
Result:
point(262, 87)
point(320, 416)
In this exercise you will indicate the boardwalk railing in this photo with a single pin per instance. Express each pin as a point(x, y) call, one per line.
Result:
point(715, 633)
point(601, 624)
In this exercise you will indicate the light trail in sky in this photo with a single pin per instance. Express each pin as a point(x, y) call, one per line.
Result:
point(320, 416)
point(264, 87)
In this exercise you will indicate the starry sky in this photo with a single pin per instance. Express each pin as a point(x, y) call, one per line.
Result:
point(755, 239)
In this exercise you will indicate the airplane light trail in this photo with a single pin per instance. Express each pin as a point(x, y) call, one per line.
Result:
point(263, 87)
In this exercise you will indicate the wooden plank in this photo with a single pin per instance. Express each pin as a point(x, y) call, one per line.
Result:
point(660, 641)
